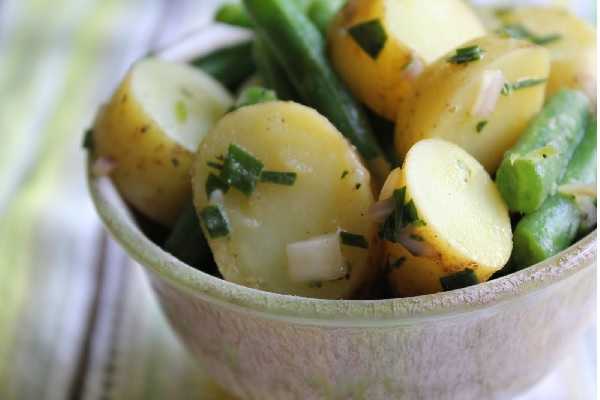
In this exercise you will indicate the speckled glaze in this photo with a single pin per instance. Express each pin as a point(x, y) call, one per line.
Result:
point(487, 341)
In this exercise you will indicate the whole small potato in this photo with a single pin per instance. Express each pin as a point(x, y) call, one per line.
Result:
point(461, 220)
point(150, 130)
point(399, 39)
point(283, 237)
point(468, 104)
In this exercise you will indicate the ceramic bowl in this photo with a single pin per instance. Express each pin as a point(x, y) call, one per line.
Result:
point(491, 340)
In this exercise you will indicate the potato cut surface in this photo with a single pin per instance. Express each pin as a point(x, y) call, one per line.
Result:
point(467, 104)
point(150, 129)
point(331, 192)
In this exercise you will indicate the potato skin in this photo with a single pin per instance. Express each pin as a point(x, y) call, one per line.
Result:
point(288, 137)
point(443, 101)
point(152, 170)
point(385, 82)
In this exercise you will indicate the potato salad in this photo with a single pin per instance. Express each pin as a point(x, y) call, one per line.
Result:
point(362, 149)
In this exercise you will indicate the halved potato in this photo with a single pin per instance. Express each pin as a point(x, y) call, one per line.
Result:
point(465, 223)
point(570, 40)
point(150, 130)
point(418, 32)
point(462, 103)
point(332, 191)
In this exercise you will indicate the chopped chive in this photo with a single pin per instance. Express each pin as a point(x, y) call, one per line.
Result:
point(215, 165)
point(254, 95)
point(459, 280)
point(214, 221)
point(404, 214)
point(357, 186)
point(480, 126)
point(345, 174)
point(354, 240)
point(241, 170)
point(508, 88)
point(467, 54)
point(391, 266)
point(181, 111)
point(213, 182)
point(518, 31)
point(370, 36)
point(88, 140)
point(279, 178)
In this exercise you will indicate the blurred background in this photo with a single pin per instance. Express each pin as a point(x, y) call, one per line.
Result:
point(77, 319)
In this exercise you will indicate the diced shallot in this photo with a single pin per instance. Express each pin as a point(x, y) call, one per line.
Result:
point(316, 259)
point(418, 248)
point(379, 211)
point(576, 189)
point(489, 93)
point(103, 166)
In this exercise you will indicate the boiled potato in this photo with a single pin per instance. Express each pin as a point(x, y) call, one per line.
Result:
point(464, 222)
point(573, 51)
point(150, 130)
point(270, 227)
point(416, 33)
point(462, 103)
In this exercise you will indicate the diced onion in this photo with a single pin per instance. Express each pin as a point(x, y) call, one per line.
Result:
point(489, 93)
point(316, 259)
point(577, 189)
point(379, 211)
point(588, 210)
point(417, 248)
point(414, 68)
point(103, 166)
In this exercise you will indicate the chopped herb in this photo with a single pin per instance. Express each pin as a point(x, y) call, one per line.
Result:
point(508, 88)
point(391, 266)
point(214, 221)
point(181, 111)
point(404, 214)
point(459, 280)
point(241, 170)
point(518, 31)
point(88, 140)
point(215, 165)
point(254, 95)
point(416, 237)
point(279, 178)
point(213, 182)
point(370, 36)
point(480, 126)
point(175, 162)
point(345, 174)
point(357, 186)
point(467, 54)
point(354, 240)
point(315, 284)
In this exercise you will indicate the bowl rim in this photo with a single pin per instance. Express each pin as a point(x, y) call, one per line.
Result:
point(484, 297)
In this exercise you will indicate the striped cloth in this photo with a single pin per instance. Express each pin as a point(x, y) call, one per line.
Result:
point(77, 318)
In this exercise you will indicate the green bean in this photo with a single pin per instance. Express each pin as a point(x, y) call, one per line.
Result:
point(300, 48)
point(254, 95)
point(233, 14)
point(271, 72)
point(230, 65)
point(531, 170)
point(322, 12)
point(558, 222)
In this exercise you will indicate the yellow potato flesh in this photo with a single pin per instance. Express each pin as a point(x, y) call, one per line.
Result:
point(573, 55)
point(467, 224)
point(417, 31)
point(446, 93)
point(150, 129)
point(288, 137)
